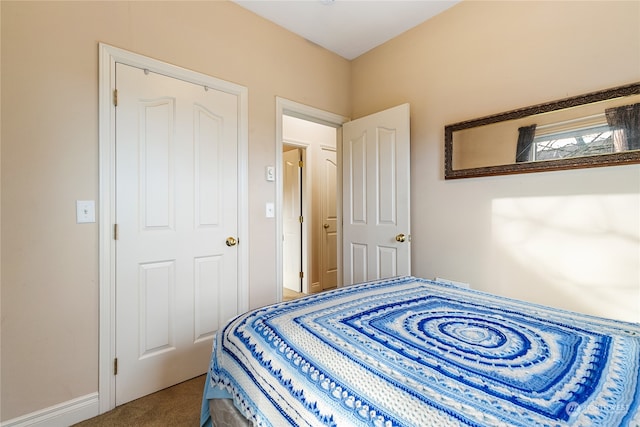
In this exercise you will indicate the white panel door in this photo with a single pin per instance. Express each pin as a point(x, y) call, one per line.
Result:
point(291, 213)
point(376, 218)
point(176, 204)
point(329, 243)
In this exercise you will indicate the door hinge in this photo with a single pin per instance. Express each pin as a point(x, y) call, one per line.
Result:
point(116, 232)
point(301, 219)
point(301, 164)
point(115, 97)
point(302, 274)
point(115, 366)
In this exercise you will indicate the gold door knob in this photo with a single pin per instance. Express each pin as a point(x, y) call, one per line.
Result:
point(401, 238)
point(231, 241)
point(326, 226)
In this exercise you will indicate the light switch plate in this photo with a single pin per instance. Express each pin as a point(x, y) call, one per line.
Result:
point(85, 211)
point(270, 210)
point(270, 173)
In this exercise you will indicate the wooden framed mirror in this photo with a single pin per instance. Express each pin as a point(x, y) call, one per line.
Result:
point(596, 129)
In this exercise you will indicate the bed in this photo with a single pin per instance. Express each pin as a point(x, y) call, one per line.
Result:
point(413, 352)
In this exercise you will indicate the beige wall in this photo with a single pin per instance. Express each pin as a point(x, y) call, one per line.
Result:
point(476, 59)
point(50, 159)
point(568, 239)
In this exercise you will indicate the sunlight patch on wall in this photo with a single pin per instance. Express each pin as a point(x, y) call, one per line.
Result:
point(577, 252)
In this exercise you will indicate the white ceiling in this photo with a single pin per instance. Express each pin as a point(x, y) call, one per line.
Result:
point(347, 27)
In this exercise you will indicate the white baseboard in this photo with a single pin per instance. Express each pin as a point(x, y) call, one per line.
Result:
point(61, 415)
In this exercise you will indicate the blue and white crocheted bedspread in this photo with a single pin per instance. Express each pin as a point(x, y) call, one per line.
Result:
point(411, 352)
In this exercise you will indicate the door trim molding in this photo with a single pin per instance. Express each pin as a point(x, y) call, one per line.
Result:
point(301, 111)
point(108, 56)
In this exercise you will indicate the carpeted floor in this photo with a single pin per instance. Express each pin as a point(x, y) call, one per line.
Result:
point(288, 294)
point(175, 406)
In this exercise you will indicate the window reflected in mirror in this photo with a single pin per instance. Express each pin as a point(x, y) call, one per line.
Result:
point(580, 142)
point(601, 128)
point(614, 131)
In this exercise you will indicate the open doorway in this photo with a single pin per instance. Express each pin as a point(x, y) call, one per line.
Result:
point(382, 248)
point(309, 207)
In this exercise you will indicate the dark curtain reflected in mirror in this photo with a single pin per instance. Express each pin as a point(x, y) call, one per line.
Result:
point(625, 123)
point(526, 135)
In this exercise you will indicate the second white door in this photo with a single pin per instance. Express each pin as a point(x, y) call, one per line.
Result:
point(376, 214)
point(329, 209)
point(291, 215)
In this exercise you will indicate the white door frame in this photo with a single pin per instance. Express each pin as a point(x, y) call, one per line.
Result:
point(301, 111)
point(108, 56)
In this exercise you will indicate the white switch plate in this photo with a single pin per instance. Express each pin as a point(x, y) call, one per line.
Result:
point(85, 211)
point(269, 211)
point(270, 173)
